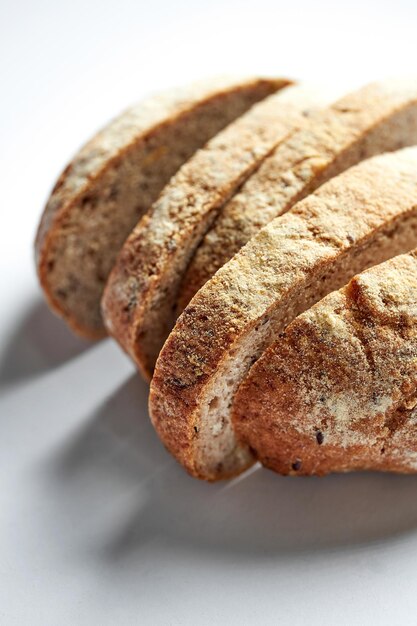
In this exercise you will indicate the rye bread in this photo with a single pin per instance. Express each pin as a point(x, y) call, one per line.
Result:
point(378, 118)
point(358, 219)
point(338, 390)
point(140, 296)
point(114, 179)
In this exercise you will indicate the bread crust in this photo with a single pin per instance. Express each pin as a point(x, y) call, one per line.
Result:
point(359, 218)
point(140, 297)
point(377, 118)
point(338, 390)
point(91, 180)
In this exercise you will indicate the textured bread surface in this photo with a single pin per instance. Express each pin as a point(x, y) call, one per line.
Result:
point(338, 390)
point(140, 297)
point(377, 118)
point(360, 218)
point(114, 179)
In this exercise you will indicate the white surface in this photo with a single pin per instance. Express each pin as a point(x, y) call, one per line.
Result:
point(98, 526)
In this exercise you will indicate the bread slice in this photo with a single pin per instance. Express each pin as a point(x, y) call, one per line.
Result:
point(358, 219)
point(140, 296)
point(114, 179)
point(377, 118)
point(338, 390)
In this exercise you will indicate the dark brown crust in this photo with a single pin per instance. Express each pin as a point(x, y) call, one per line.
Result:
point(105, 152)
point(351, 222)
point(337, 392)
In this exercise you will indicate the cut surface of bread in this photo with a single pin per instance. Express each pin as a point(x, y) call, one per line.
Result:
point(338, 390)
point(114, 179)
point(377, 118)
point(360, 218)
point(140, 297)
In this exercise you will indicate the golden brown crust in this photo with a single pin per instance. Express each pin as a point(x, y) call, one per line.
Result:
point(95, 179)
point(338, 390)
point(377, 118)
point(140, 296)
point(361, 217)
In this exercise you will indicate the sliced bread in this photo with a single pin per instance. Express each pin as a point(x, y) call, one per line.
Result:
point(114, 179)
point(357, 219)
point(377, 118)
point(338, 390)
point(140, 296)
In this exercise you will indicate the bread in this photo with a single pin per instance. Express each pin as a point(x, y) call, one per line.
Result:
point(140, 296)
point(377, 118)
point(361, 217)
point(115, 178)
point(338, 390)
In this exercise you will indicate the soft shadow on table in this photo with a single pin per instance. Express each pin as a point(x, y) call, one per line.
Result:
point(38, 342)
point(259, 514)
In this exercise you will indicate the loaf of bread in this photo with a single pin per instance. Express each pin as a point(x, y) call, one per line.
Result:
point(249, 205)
point(114, 179)
point(140, 296)
point(337, 391)
point(361, 217)
point(377, 118)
